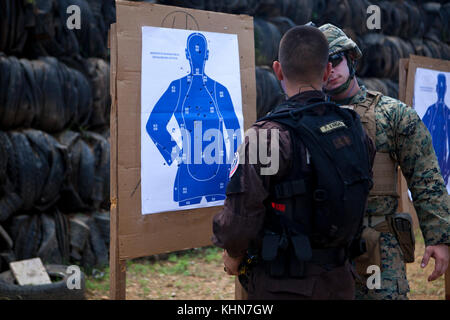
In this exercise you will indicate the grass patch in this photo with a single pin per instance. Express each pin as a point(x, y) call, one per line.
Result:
point(98, 281)
point(169, 276)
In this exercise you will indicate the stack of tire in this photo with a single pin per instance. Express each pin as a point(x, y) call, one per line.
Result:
point(407, 27)
point(54, 133)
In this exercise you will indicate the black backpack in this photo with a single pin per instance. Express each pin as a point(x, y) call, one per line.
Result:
point(322, 208)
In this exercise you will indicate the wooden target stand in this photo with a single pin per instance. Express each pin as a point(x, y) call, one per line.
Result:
point(407, 71)
point(135, 235)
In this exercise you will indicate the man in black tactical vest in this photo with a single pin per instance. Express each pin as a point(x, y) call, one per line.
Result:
point(297, 225)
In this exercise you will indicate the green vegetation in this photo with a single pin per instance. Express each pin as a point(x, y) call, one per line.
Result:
point(140, 271)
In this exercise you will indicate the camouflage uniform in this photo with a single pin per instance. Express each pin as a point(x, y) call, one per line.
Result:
point(402, 134)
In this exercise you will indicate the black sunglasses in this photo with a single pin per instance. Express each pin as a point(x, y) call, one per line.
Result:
point(336, 59)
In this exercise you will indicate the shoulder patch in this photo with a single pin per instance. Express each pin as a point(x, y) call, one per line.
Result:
point(234, 165)
point(332, 126)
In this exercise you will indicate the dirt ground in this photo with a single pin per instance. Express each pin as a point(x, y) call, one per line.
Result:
point(198, 274)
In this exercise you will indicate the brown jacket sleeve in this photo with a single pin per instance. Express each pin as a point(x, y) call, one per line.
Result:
point(241, 220)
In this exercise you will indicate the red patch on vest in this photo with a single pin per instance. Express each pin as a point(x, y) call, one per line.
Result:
point(279, 206)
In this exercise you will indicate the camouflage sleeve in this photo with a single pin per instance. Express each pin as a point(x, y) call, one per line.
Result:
point(418, 162)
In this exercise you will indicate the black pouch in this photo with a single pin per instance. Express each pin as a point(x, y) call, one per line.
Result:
point(302, 247)
point(274, 253)
point(270, 246)
point(402, 226)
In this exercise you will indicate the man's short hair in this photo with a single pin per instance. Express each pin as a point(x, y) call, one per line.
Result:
point(303, 54)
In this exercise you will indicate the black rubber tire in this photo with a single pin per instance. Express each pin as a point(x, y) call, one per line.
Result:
point(5, 23)
point(15, 225)
point(267, 38)
point(84, 107)
point(98, 245)
point(54, 156)
point(29, 167)
point(337, 12)
point(283, 24)
point(359, 16)
point(13, 94)
point(102, 219)
point(49, 248)
point(62, 234)
point(5, 239)
point(269, 92)
point(299, 11)
point(3, 158)
point(89, 35)
point(55, 291)
point(101, 151)
point(70, 199)
point(86, 174)
point(53, 117)
point(4, 81)
point(9, 204)
point(28, 240)
point(79, 235)
point(30, 96)
point(99, 78)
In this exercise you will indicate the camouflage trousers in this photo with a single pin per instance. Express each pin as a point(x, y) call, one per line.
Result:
point(394, 285)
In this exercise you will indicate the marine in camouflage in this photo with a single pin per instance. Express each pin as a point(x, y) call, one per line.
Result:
point(401, 133)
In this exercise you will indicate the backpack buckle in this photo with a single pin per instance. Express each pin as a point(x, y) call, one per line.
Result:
point(320, 195)
point(294, 115)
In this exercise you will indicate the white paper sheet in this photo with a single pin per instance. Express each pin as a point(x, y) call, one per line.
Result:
point(184, 95)
point(433, 109)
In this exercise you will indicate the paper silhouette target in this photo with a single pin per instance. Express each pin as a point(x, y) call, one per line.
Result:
point(191, 117)
point(431, 101)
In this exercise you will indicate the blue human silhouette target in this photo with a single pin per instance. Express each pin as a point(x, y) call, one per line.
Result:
point(195, 126)
point(431, 102)
point(437, 120)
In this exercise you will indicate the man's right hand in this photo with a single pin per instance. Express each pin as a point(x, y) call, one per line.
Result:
point(440, 253)
point(231, 264)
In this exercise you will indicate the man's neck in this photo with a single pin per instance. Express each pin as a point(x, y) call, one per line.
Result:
point(296, 88)
point(351, 91)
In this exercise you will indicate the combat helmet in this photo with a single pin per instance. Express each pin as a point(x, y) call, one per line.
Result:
point(338, 41)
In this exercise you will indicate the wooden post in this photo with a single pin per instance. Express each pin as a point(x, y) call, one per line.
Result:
point(118, 267)
point(117, 274)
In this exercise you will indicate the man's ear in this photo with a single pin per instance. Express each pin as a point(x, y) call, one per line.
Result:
point(187, 53)
point(327, 72)
point(276, 66)
point(207, 55)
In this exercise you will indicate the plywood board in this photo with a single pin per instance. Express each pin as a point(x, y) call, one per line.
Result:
point(140, 235)
point(133, 234)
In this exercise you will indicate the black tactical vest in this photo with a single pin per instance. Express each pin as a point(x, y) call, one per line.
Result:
point(315, 213)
